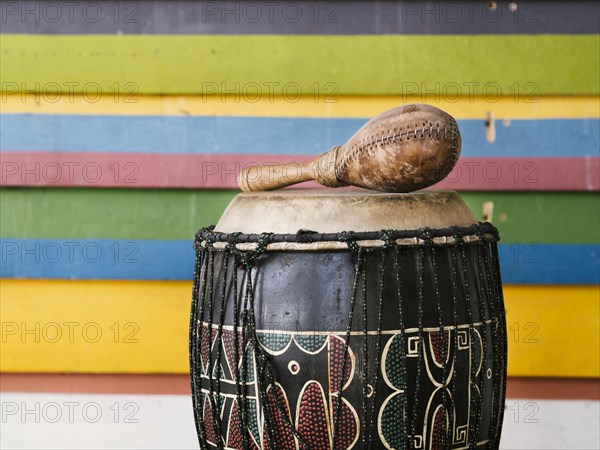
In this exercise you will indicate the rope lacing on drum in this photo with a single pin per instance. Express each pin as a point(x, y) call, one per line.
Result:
point(358, 267)
point(232, 240)
point(348, 238)
point(485, 231)
point(433, 248)
point(479, 231)
point(457, 235)
point(387, 236)
point(420, 302)
point(427, 245)
point(195, 377)
point(485, 300)
point(464, 282)
point(250, 258)
point(305, 236)
point(264, 371)
point(426, 236)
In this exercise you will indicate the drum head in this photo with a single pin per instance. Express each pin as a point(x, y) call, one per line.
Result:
point(333, 211)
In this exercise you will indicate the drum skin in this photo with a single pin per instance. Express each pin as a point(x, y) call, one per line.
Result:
point(383, 347)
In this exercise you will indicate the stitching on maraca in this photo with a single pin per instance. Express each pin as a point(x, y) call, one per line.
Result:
point(454, 144)
point(362, 146)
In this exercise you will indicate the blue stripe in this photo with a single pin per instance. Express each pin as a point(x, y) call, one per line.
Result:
point(96, 259)
point(269, 135)
point(174, 260)
point(550, 263)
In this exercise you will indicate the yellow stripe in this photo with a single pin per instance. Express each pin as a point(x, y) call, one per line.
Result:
point(552, 330)
point(277, 106)
point(155, 314)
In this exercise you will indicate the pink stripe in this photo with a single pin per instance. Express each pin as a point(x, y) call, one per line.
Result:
point(139, 170)
point(524, 174)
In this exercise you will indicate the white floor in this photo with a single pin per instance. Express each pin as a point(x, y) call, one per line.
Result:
point(85, 421)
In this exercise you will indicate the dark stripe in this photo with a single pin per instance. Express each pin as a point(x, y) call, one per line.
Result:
point(102, 259)
point(274, 136)
point(135, 170)
point(299, 17)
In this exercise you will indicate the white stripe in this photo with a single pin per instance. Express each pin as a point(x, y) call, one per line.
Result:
point(68, 421)
point(551, 424)
point(126, 422)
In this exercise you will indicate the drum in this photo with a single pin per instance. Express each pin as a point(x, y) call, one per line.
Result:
point(354, 319)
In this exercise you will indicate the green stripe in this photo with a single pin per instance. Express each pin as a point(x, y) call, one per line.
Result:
point(109, 213)
point(363, 64)
point(542, 217)
point(547, 217)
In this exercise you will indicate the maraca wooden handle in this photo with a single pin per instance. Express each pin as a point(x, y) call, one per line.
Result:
point(266, 178)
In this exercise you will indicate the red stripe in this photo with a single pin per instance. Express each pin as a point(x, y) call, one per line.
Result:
point(95, 383)
point(517, 387)
point(139, 170)
point(554, 388)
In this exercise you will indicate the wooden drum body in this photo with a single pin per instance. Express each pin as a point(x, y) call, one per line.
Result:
point(348, 320)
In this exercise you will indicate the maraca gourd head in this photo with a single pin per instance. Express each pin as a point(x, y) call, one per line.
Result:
point(400, 150)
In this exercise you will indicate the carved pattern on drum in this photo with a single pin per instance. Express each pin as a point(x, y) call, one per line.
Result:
point(417, 442)
point(234, 428)
point(413, 346)
point(390, 428)
point(310, 343)
point(464, 349)
point(253, 422)
point(294, 367)
point(228, 338)
point(435, 436)
point(460, 391)
point(204, 349)
point(274, 343)
point(463, 339)
point(477, 349)
point(348, 422)
point(311, 417)
point(283, 435)
point(209, 424)
point(250, 374)
point(391, 415)
point(436, 347)
point(460, 436)
point(315, 405)
point(347, 435)
point(336, 361)
point(477, 361)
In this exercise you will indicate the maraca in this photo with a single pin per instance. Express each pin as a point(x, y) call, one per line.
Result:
point(400, 150)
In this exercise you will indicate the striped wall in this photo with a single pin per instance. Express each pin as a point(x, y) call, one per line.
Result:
point(123, 128)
